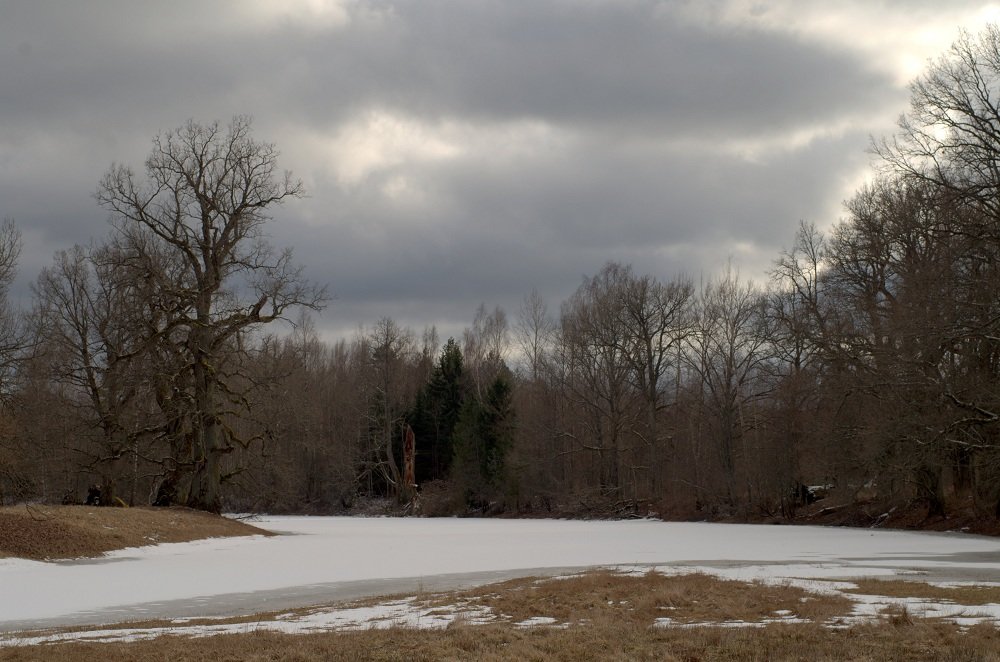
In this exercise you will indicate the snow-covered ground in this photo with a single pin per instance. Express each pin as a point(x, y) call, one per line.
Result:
point(322, 559)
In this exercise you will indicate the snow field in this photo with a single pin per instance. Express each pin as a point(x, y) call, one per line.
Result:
point(319, 551)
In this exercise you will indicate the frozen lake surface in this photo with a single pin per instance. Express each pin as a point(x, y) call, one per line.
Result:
point(323, 559)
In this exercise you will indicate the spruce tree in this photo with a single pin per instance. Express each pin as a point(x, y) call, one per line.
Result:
point(435, 415)
point(483, 437)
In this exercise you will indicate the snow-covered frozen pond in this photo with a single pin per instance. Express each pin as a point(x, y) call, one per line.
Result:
point(324, 559)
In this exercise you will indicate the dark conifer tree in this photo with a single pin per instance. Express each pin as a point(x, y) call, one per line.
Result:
point(435, 415)
point(483, 437)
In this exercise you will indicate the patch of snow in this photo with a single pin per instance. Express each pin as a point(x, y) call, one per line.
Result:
point(535, 621)
point(670, 623)
point(872, 607)
point(395, 613)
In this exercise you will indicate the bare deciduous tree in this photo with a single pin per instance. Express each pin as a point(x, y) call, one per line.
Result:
point(657, 318)
point(534, 331)
point(204, 201)
point(951, 135)
point(15, 341)
point(392, 355)
point(485, 347)
point(729, 351)
point(14, 337)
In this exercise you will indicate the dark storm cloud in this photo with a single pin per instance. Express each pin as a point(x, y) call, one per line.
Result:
point(540, 227)
point(658, 139)
point(626, 66)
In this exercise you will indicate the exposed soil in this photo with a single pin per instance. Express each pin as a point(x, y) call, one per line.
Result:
point(63, 532)
point(833, 510)
point(961, 516)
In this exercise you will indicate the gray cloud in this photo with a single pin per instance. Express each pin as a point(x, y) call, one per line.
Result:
point(570, 133)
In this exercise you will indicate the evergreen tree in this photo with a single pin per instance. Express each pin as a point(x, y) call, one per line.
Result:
point(483, 437)
point(496, 429)
point(435, 415)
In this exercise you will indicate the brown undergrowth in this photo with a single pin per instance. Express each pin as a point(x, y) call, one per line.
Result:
point(600, 641)
point(899, 588)
point(599, 615)
point(63, 532)
point(692, 598)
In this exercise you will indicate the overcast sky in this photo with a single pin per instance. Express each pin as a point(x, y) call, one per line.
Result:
point(465, 152)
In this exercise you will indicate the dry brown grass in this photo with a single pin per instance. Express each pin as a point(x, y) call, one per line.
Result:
point(622, 641)
point(691, 598)
point(62, 532)
point(900, 588)
point(610, 617)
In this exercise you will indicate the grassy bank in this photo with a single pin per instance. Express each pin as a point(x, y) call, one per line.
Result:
point(61, 532)
point(598, 615)
point(604, 641)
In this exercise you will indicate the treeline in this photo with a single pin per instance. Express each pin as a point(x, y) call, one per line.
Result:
point(867, 367)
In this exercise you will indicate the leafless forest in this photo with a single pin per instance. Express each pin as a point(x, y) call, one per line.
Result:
point(868, 364)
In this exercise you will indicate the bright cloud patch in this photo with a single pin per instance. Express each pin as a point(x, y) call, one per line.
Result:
point(382, 140)
point(899, 42)
point(313, 14)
